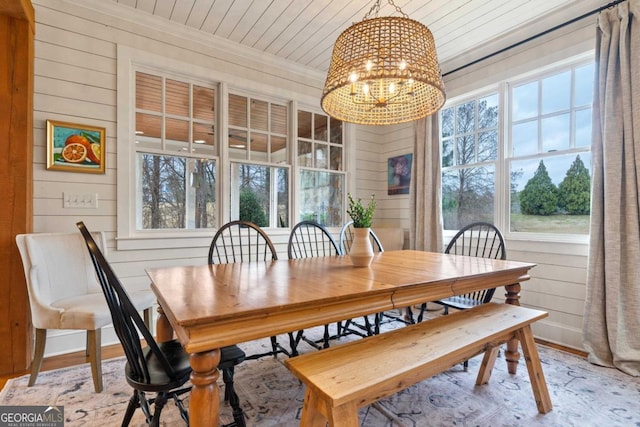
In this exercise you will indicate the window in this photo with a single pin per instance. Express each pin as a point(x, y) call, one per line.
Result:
point(174, 146)
point(538, 161)
point(258, 149)
point(469, 155)
point(320, 154)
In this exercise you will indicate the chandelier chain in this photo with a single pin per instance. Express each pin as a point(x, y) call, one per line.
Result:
point(375, 9)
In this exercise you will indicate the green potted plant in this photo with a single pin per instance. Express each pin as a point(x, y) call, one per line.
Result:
point(361, 216)
point(361, 252)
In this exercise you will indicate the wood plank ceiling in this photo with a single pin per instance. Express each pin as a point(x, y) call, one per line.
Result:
point(303, 31)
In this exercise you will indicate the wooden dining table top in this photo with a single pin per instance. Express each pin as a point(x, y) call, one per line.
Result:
point(211, 306)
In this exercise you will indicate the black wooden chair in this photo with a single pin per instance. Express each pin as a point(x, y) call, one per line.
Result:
point(366, 329)
point(479, 239)
point(244, 241)
point(160, 368)
point(309, 239)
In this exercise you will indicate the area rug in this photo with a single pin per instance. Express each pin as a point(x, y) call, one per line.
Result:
point(582, 395)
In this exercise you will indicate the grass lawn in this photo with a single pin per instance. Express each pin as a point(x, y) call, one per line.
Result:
point(557, 224)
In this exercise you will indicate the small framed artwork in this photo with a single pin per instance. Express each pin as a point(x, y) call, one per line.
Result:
point(399, 174)
point(75, 148)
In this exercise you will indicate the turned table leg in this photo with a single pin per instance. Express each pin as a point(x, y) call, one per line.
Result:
point(512, 355)
point(204, 407)
point(164, 331)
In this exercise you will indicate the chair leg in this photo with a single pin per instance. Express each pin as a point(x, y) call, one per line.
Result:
point(134, 403)
point(230, 392)
point(94, 347)
point(36, 363)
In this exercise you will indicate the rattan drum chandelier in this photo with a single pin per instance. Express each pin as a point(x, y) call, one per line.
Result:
point(384, 70)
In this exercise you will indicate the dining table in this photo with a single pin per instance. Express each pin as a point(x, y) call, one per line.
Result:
point(215, 305)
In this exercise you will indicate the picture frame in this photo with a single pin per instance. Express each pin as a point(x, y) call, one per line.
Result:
point(73, 147)
point(399, 174)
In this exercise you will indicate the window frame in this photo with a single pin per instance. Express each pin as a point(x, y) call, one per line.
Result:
point(502, 201)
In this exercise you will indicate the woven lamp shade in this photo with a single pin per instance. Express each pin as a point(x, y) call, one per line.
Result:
point(374, 54)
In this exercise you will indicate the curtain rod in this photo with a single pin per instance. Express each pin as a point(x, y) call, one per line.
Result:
point(564, 24)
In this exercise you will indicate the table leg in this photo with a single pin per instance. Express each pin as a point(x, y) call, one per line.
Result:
point(512, 355)
point(164, 330)
point(204, 403)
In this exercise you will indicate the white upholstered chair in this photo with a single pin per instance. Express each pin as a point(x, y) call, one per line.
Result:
point(64, 293)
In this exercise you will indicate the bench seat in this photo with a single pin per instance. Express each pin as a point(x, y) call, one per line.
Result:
point(342, 378)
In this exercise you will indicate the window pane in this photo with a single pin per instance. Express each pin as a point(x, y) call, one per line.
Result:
point(487, 146)
point(488, 112)
point(177, 99)
point(176, 134)
point(148, 92)
point(525, 138)
point(148, 126)
point(467, 196)
point(447, 153)
point(203, 138)
point(278, 149)
point(259, 147)
point(320, 127)
point(204, 103)
point(260, 194)
point(336, 158)
point(465, 149)
point(466, 117)
point(279, 119)
point(336, 130)
point(305, 158)
point(322, 197)
point(238, 144)
point(202, 194)
point(556, 93)
point(321, 156)
point(304, 124)
point(551, 195)
point(556, 133)
point(584, 85)
point(447, 122)
point(583, 128)
point(162, 183)
point(259, 115)
point(237, 110)
point(525, 101)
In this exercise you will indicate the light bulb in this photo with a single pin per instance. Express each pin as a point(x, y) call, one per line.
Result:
point(392, 87)
point(403, 65)
point(353, 77)
point(369, 65)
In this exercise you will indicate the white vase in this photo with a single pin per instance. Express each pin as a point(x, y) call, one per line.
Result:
point(361, 251)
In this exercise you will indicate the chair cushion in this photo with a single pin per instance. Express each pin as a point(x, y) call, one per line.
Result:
point(90, 311)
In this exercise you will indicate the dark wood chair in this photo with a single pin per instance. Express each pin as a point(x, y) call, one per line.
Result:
point(479, 239)
point(244, 241)
point(309, 239)
point(366, 329)
point(160, 368)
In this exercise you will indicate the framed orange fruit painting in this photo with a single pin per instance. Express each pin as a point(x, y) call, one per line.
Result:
point(75, 148)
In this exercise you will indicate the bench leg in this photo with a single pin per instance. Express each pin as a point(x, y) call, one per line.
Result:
point(536, 376)
point(486, 367)
point(344, 416)
point(311, 415)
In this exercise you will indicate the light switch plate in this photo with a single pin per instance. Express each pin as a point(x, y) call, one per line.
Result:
point(80, 200)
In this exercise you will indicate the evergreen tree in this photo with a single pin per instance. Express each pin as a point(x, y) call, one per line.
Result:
point(574, 195)
point(540, 195)
point(251, 210)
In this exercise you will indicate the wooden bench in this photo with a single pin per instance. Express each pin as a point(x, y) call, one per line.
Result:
point(343, 378)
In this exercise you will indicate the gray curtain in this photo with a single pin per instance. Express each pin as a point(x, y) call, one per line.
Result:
point(612, 308)
point(425, 231)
